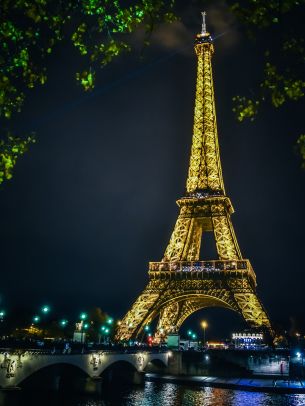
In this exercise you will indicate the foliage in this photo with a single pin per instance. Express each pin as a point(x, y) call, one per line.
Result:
point(276, 26)
point(96, 318)
point(100, 31)
point(10, 150)
point(29, 30)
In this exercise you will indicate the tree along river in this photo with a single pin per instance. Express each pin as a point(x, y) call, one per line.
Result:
point(151, 394)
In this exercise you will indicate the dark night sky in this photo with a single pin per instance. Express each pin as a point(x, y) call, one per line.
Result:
point(93, 201)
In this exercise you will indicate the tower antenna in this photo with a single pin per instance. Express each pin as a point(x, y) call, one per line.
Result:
point(203, 27)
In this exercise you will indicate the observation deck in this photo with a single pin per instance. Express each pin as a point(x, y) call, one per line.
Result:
point(202, 269)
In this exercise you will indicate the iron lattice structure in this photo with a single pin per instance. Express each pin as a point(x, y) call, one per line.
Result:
point(181, 284)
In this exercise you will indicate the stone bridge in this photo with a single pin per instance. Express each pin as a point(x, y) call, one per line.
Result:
point(18, 367)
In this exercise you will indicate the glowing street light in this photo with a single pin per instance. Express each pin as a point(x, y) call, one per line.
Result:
point(189, 333)
point(83, 316)
point(147, 328)
point(45, 309)
point(36, 319)
point(2, 314)
point(204, 325)
point(86, 326)
point(110, 320)
point(63, 323)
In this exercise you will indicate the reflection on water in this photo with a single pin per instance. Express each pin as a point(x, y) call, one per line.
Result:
point(159, 394)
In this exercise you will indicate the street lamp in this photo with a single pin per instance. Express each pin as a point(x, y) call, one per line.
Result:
point(2, 314)
point(63, 323)
point(36, 319)
point(83, 316)
point(204, 325)
point(45, 309)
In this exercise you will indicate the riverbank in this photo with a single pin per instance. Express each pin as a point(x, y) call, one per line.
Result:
point(248, 384)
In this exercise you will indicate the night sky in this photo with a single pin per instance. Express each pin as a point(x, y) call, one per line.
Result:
point(93, 201)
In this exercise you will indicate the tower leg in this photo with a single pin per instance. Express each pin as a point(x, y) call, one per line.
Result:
point(226, 243)
point(143, 311)
point(252, 310)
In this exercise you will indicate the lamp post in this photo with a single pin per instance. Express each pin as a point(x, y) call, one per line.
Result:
point(45, 309)
point(63, 322)
point(2, 315)
point(36, 319)
point(82, 317)
point(104, 332)
point(204, 325)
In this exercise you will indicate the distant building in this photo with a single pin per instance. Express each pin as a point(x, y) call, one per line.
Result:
point(248, 340)
point(217, 345)
point(186, 345)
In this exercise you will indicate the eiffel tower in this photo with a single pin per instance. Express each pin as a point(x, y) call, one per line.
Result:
point(181, 283)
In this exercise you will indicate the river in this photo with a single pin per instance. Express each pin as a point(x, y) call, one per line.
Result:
point(154, 394)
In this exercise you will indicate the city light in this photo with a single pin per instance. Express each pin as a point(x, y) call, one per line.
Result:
point(189, 333)
point(2, 313)
point(45, 309)
point(83, 316)
point(103, 328)
point(298, 354)
point(63, 322)
point(110, 320)
point(146, 328)
point(204, 324)
point(36, 319)
point(86, 325)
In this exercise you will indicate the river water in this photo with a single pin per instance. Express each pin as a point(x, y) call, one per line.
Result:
point(154, 394)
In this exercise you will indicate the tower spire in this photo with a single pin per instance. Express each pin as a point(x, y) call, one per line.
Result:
point(203, 27)
point(205, 173)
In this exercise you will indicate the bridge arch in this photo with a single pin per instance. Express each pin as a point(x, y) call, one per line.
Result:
point(54, 376)
point(155, 365)
point(123, 371)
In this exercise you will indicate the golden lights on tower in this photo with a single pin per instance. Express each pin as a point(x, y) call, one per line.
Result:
point(182, 283)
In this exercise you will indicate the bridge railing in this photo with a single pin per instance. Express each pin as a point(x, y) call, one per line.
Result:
point(59, 351)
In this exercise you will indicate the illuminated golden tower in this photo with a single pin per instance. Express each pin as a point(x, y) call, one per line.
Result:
point(181, 284)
